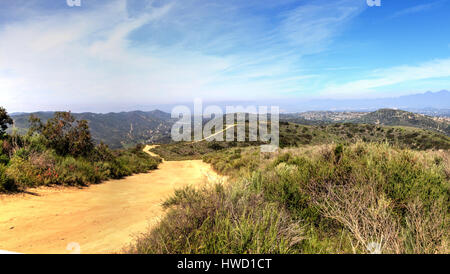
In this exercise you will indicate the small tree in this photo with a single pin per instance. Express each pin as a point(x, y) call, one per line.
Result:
point(5, 120)
point(64, 134)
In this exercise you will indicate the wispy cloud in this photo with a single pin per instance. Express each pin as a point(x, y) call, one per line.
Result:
point(417, 9)
point(391, 76)
point(113, 55)
point(313, 26)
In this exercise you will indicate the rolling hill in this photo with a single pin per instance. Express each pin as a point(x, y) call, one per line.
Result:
point(124, 129)
point(388, 117)
point(393, 117)
point(298, 135)
point(118, 130)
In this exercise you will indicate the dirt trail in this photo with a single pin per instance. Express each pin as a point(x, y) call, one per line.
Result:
point(147, 150)
point(102, 218)
point(214, 134)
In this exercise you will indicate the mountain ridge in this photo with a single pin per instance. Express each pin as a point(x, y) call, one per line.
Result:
point(117, 129)
point(418, 101)
point(124, 129)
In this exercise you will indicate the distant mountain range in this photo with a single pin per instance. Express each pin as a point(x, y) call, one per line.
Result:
point(116, 129)
point(428, 102)
point(124, 129)
point(387, 117)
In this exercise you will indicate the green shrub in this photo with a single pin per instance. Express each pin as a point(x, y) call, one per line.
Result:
point(22, 172)
point(77, 172)
point(101, 153)
point(5, 120)
point(358, 178)
point(64, 134)
point(6, 183)
point(217, 219)
point(351, 195)
point(30, 167)
point(62, 152)
point(4, 159)
point(127, 163)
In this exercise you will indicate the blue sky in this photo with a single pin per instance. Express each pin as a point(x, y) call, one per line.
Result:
point(116, 55)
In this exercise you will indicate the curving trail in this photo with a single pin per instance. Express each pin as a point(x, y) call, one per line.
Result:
point(214, 134)
point(101, 218)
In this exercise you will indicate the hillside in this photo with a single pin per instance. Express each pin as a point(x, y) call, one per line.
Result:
point(117, 130)
point(401, 136)
point(320, 117)
point(297, 135)
point(125, 129)
point(388, 117)
point(393, 117)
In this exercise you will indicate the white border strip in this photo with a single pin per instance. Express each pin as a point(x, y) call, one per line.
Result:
point(8, 252)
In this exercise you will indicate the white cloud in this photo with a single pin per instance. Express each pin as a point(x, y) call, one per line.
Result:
point(87, 60)
point(312, 26)
point(439, 68)
point(416, 9)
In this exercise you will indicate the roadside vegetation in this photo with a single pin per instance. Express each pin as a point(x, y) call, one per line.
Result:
point(347, 133)
point(61, 152)
point(330, 198)
point(190, 150)
point(295, 135)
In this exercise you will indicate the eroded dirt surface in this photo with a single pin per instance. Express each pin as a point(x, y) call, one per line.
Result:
point(101, 218)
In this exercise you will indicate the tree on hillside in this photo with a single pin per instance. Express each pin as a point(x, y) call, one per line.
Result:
point(64, 134)
point(5, 120)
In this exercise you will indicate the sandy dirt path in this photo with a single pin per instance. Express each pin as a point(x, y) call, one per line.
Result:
point(214, 134)
point(101, 218)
